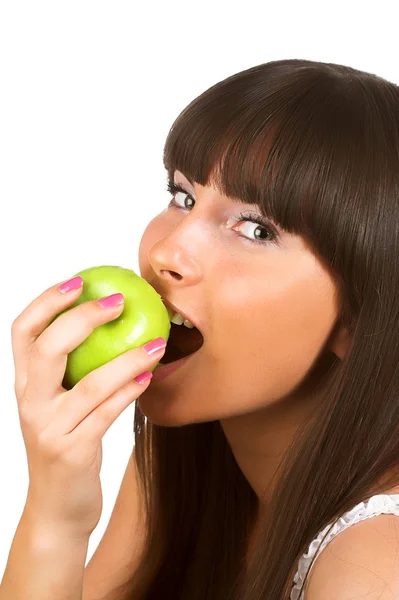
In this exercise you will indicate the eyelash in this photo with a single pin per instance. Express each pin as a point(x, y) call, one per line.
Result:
point(173, 188)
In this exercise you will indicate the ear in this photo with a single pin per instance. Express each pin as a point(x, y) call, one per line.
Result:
point(339, 341)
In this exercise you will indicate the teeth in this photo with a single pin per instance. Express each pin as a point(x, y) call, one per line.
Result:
point(177, 319)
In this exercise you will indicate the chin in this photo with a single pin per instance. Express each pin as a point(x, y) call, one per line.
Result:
point(160, 413)
point(162, 410)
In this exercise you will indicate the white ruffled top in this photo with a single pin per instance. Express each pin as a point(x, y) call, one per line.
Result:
point(376, 505)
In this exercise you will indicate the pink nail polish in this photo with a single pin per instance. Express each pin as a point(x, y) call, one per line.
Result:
point(70, 285)
point(143, 377)
point(111, 301)
point(154, 345)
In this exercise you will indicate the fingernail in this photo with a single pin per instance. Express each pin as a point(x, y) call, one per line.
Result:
point(154, 345)
point(71, 284)
point(143, 377)
point(111, 301)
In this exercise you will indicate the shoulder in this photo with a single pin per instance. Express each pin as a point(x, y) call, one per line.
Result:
point(361, 562)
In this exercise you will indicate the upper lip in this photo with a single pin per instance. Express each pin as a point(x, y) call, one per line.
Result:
point(183, 313)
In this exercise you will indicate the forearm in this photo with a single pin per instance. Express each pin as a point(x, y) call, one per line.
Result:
point(44, 562)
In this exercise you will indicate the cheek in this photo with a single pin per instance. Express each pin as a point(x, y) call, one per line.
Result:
point(275, 343)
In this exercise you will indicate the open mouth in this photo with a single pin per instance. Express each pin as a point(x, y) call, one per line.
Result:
point(182, 342)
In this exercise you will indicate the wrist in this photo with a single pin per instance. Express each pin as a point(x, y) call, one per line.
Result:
point(47, 532)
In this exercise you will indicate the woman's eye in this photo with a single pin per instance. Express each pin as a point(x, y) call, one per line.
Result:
point(248, 219)
point(184, 200)
point(262, 237)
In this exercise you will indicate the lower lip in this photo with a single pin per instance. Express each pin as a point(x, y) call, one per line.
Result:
point(163, 371)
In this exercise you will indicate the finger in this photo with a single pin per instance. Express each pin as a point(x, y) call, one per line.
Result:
point(27, 327)
point(102, 383)
point(97, 423)
point(49, 354)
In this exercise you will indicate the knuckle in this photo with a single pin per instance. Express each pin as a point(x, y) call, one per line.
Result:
point(86, 310)
point(88, 387)
point(25, 414)
point(102, 417)
point(84, 313)
point(20, 384)
point(41, 348)
point(133, 360)
point(47, 445)
point(81, 310)
point(18, 327)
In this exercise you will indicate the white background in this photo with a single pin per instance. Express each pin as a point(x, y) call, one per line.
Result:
point(88, 92)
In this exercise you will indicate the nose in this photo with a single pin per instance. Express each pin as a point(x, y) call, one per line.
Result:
point(174, 264)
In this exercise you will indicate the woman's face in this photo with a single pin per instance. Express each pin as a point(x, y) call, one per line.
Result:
point(266, 310)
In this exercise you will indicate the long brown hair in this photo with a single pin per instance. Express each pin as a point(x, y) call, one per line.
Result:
point(316, 147)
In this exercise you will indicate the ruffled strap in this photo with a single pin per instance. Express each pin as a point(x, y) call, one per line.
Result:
point(376, 505)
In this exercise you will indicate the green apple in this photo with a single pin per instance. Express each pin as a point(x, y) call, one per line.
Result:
point(144, 318)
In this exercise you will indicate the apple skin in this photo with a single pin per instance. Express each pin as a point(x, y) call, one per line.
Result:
point(144, 318)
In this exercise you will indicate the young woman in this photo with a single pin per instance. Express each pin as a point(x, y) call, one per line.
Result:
point(280, 244)
point(276, 442)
